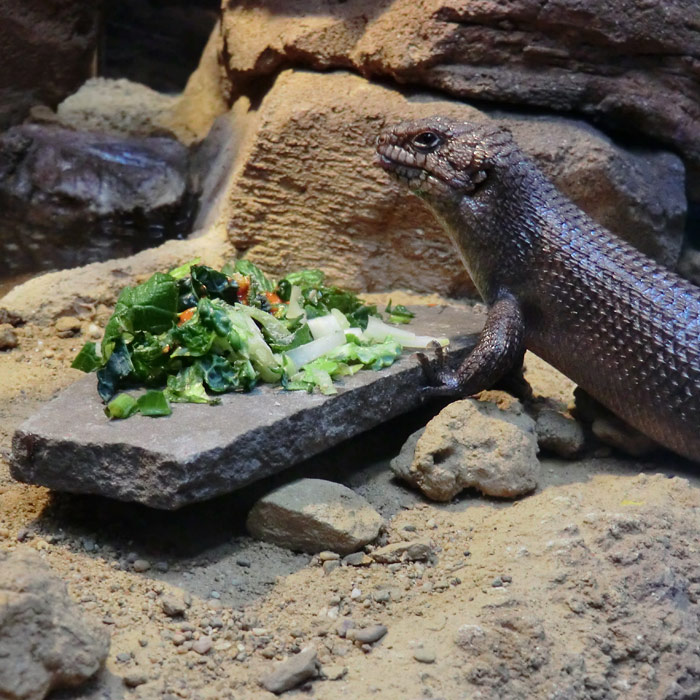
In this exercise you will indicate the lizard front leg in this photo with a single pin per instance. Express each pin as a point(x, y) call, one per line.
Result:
point(498, 352)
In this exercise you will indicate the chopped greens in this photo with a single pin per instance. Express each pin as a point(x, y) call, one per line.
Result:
point(399, 313)
point(196, 332)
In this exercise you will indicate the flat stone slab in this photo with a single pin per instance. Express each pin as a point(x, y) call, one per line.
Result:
point(202, 451)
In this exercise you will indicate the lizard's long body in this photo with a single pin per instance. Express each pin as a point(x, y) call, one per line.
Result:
point(622, 327)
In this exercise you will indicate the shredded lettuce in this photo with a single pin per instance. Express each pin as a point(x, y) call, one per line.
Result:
point(399, 313)
point(195, 333)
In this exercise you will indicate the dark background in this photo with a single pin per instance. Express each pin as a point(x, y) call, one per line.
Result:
point(155, 42)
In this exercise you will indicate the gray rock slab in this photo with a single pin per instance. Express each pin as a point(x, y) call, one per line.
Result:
point(202, 451)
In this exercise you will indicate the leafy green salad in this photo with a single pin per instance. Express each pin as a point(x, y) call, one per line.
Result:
point(196, 332)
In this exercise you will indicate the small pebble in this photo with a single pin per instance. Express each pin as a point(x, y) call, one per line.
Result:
point(141, 565)
point(123, 657)
point(334, 672)
point(418, 550)
point(497, 582)
point(134, 679)
point(292, 672)
point(173, 605)
point(424, 655)
point(330, 565)
point(202, 645)
point(356, 594)
point(162, 566)
point(8, 337)
point(243, 562)
point(67, 326)
point(24, 534)
point(357, 559)
point(344, 626)
point(368, 635)
point(381, 596)
point(328, 556)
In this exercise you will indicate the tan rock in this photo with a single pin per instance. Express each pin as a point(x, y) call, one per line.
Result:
point(488, 444)
point(119, 107)
point(202, 101)
point(73, 292)
point(127, 108)
point(631, 65)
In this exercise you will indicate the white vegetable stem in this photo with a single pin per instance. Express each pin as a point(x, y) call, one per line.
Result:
point(380, 331)
point(294, 310)
point(322, 326)
point(311, 351)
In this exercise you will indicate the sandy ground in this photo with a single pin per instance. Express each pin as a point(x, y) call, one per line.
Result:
point(576, 591)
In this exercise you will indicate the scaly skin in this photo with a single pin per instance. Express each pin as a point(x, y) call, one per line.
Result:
point(622, 327)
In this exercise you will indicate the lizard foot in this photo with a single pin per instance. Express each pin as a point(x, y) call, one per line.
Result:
point(442, 381)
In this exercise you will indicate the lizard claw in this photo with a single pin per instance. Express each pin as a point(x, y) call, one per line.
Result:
point(441, 380)
point(432, 369)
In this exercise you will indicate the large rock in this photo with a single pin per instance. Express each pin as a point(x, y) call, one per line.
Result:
point(45, 642)
point(303, 190)
point(67, 198)
point(632, 66)
point(202, 451)
point(123, 107)
point(488, 444)
point(48, 50)
point(313, 515)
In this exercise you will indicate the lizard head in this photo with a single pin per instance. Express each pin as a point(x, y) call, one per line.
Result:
point(467, 174)
point(440, 158)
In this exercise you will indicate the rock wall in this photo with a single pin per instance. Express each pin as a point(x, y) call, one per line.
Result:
point(630, 65)
point(47, 50)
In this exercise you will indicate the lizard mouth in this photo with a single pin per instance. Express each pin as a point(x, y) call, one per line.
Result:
point(401, 171)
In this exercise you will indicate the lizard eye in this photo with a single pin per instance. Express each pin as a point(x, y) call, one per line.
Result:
point(426, 141)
